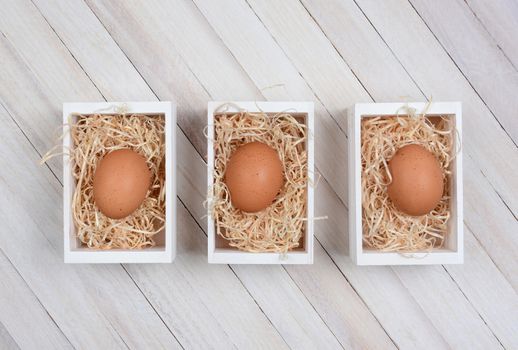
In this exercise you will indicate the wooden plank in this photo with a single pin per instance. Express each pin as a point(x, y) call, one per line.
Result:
point(336, 275)
point(478, 126)
point(346, 19)
point(74, 296)
point(300, 309)
point(477, 55)
point(493, 295)
point(280, 26)
point(445, 304)
point(479, 194)
point(241, 17)
point(392, 19)
point(500, 19)
point(339, 304)
point(294, 86)
point(318, 329)
point(141, 30)
point(110, 79)
point(123, 287)
point(391, 299)
point(187, 289)
point(21, 310)
point(306, 63)
point(6, 342)
point(139, 324)
point(257, 277)
point(307, 282)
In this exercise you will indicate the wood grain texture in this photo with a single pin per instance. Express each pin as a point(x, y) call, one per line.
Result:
point(276, 18)
point(443, 80)
point(18, 319)
point(335, 53)
point(476, 184)
point(213, 323)
point(234, 85)
point(6, 342)
point(98, 296)
point(477, 55)
point(479, 125)
point(500, 19)
point(208, 87)
point(314, 328)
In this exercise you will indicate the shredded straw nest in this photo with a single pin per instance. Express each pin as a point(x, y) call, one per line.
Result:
point(93, 136)
point(280, 227)
point(384, 227)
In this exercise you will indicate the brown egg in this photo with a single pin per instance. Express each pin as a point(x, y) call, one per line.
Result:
point(121, 181)
point(417, 180)
point(254, 176)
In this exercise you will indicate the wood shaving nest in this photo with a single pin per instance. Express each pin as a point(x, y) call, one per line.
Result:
point(280, 227)
point(93, 136)
point(384, 227)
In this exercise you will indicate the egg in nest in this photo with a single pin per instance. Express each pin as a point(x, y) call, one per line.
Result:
point(121, 182)
point(417, 180)
point(254, 176)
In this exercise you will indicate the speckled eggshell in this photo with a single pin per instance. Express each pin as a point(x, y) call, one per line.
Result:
point(121, 181)
point(417, 180)
point(254, 176)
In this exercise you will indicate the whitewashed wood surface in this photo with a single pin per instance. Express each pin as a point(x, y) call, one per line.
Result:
point(333, 52)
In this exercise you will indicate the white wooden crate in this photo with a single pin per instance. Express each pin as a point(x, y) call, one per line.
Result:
point(453, 250)
point(165, 250)
point(218, 251)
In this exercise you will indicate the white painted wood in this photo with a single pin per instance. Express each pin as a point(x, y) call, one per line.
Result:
point(6, 342)
point(442, 300)
point(453, 250)
point(477, 56)
point(294, 329)
point(149, 20)
point(345, 17)
point(15, 320)
point(500, 19)
point(272, 72)
point(155, 79)
point(315, 332)
point(361, 37)
point(392, 19)
point(228, 306)
point(363, 49)
point(233, 256)
point(75, 251)
point(337, 230)
point(264, 337)
point(195, 52)
point(402, 318)
point(172, 81)
point(492, 295)
point(221, 14)
point(205, 305)
point(349, 29)
point(110, 65)
point(350, 33)
point(338, 304)
point(479, 126)
point(100, 297)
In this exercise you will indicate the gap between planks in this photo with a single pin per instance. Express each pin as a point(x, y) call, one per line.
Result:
point(468, 301)
point(195, 148)
point(464, 74)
